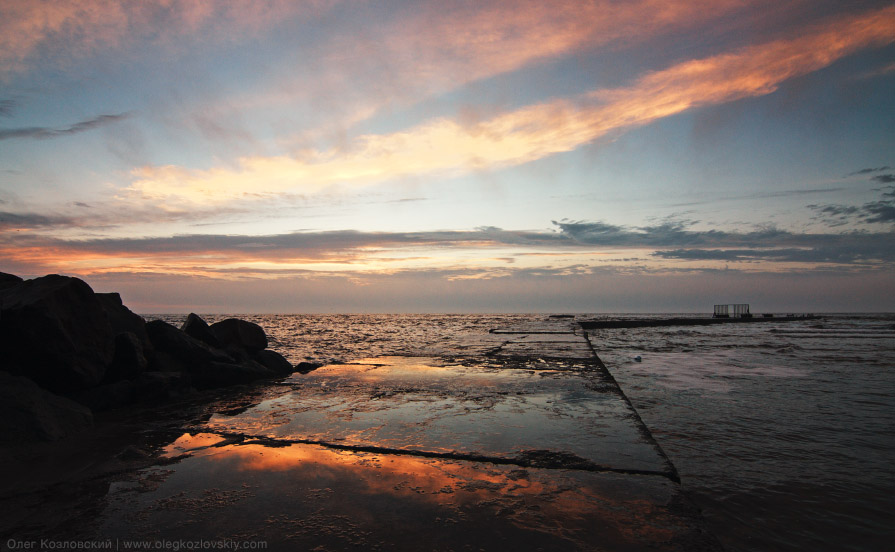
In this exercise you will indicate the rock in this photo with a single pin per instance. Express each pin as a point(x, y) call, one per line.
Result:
point(274, 361)
point(163, 362)
point(305, 367)
point(131, 452)
point(155, 386)
point(108, 396)
point(146, 387)
point(186, 350)
point(55, 331)
point(29, 413)
point(122, 319)
point(197, 328)
point(129, 360)
point(207, 366)
point(222, 374)
point(240, 333)
point(8, 280)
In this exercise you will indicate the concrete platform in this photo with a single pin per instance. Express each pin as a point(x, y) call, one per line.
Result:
point(519, 439)
point(563, 413)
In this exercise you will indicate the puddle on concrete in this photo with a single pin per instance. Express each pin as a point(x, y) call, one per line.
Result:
point(308, 496)
point(430, 405)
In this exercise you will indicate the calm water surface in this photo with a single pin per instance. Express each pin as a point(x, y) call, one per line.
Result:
point(781, 432)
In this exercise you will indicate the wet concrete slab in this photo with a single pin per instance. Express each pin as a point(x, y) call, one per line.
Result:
point(479, 410)
point(304, 497)
point(544, 349)
point(518, 438)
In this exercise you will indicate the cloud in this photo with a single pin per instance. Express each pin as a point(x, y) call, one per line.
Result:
point(760, 195)
point(884, 178)
point(577, 247)
point(21, 221)
point(437, 47)
point(868, 171)
point(676, 241)
point(446, 147)
point(7, 107)
point(881, 211)
point(873, 251)
point(66, 30)
point(43, 133)
point(109, 215)
point(474, 41)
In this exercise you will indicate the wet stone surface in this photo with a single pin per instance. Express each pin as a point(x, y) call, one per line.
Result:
point(309, 496)
point(517, 438)
point(430, 405)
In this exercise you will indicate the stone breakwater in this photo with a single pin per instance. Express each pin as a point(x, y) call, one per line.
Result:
point(67, 352)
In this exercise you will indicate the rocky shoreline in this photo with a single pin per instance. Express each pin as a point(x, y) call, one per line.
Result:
point(68, 352)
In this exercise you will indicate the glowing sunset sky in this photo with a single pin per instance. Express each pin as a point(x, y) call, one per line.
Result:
point(355, 156)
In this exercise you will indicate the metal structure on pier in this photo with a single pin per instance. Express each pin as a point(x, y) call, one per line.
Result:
point(738, 310)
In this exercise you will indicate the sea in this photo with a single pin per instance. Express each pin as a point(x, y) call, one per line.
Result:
point(783, 432)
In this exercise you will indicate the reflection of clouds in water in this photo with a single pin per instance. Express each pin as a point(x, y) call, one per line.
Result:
point(707, 372)
point(189, 442)
point(562, 503)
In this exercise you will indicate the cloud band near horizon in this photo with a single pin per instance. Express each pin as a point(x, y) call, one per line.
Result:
point(489, 252)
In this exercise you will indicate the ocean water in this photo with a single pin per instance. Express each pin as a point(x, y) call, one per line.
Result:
point(783, 432)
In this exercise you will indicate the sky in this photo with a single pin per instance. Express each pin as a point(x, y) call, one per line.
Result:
point(452, 156)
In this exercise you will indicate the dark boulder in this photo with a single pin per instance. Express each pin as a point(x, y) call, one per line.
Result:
point(54, 330)
point(197, 328)
point(206, 366)
point(7, 280)
point(108, 396)
point(307, 367)
point(157, 386)
point(146, 387)
point(122, 319)
point(29, 413)
point(129, 360)
point(222, 374)
point(240, 333)
point(274, 361)
point(189, 351)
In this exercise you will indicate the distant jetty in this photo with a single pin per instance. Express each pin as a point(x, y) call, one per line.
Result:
point(722, 315)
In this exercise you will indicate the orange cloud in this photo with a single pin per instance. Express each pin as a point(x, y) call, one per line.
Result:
point(76, 28)
point(436, 48)
point(479, 40)
point(450, 147)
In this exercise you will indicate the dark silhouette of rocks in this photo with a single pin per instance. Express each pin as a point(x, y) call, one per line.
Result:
point(241, 334)
point(55, 331)
point(31, 413)
point(7, 280)
point(183, 349)
point(129, 360)
point(274, 361)
point(209, 366)
point(307, 367)
point(123, 319)
point(195, 327)
point(64, 347)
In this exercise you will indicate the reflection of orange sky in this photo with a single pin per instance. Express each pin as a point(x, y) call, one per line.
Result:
point(543, 500)
point(189, 441)
point(389, 369)
point(434, 479)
